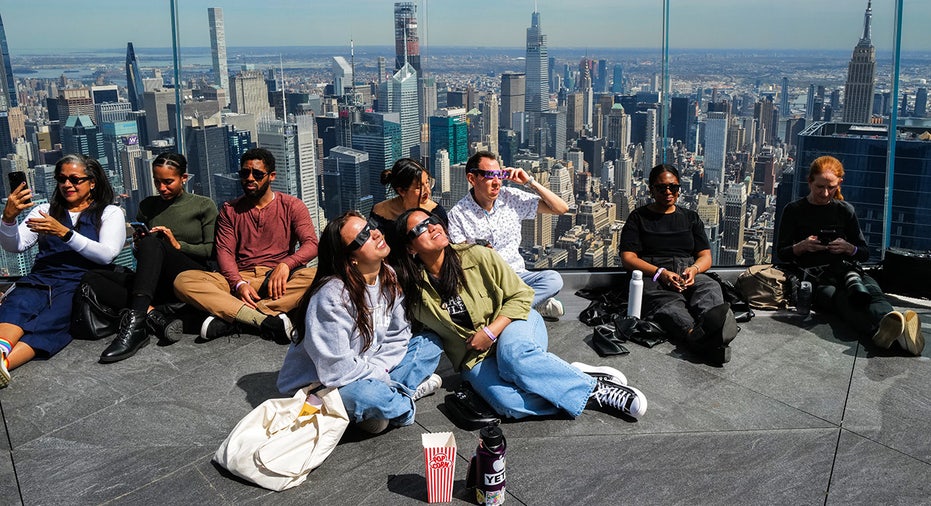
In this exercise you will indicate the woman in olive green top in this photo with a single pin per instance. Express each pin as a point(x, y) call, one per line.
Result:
point(480, 308)
point(179, 237)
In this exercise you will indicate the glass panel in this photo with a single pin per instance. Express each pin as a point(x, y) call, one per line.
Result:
point(775, 86)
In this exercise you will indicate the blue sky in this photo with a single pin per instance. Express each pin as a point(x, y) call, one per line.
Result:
point(791, 24)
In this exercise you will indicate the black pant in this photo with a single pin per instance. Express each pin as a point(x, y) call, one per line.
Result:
point(157, 266)
point(677, 312)
point(832, 296)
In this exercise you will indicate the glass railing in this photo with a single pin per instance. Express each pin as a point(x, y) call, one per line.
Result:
point(741, 99)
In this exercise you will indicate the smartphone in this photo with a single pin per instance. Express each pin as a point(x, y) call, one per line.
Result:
point(17, 177)
point(827, 235)
point(141, 229)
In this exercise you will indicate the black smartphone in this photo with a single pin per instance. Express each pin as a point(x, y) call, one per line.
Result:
point(141, 229)
point(17, 177)
point(827, 235)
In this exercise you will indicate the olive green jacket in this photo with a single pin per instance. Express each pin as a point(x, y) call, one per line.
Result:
point(491, 288)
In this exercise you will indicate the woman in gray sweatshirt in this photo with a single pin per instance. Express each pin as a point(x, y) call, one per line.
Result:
point(356, 335)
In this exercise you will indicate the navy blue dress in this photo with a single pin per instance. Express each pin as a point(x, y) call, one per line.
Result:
point(41, 302)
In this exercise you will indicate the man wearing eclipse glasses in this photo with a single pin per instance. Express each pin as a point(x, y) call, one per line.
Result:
point(264, 240)
point(491, 214)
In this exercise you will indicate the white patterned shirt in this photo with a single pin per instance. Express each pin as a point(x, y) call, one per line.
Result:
point(468, 222)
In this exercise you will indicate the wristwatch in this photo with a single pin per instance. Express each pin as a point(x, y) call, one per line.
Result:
point(530, 181)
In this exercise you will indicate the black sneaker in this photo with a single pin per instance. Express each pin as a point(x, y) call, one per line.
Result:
point(618, 399)
point(601, 373)
point(277, 328)
point(162, 326)
point(214, 327)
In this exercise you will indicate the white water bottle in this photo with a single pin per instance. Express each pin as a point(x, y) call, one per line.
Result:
point(635, 295)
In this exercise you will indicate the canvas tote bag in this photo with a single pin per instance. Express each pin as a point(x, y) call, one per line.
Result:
point(278, 443)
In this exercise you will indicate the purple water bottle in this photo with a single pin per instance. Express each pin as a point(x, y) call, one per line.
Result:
point(486, 469)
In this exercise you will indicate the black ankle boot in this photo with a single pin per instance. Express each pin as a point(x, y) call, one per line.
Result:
point(163, 326)
point(131, 336)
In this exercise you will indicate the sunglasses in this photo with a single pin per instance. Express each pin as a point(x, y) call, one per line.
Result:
point(257, 174)
point(491, 174)
point(421, 227)
point(74, 180)
point(363, 236)
point(661, 188)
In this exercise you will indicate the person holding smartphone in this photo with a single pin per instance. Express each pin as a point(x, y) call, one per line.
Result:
point(821, 231)
point(174, 232)
point(77, 231)
point(667, 243)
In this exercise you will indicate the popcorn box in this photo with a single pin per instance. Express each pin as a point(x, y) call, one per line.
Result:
point(439, 453)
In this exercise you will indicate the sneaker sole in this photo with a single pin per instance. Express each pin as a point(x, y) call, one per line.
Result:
point(890, 328)
point(601, 369)
point(914, 340)
point(174, 331)
point(373, 425)
point(203, 327)
point(643, 402)
point(4, 377)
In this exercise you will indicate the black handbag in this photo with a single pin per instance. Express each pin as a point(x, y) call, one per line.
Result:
point(90, 319)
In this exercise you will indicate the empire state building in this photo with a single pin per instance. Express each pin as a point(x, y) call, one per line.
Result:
point(858, 92)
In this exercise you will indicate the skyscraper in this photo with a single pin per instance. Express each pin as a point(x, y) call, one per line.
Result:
point(399, 94)
point(294, 143)
point(379, 135)
point(406, 41)
point(537, 98)
point(134, 86)
point(448, 131)
point(858, 92)
point(218, 47)
point(513, 92)
point(7, 86)
point(784, 98)
point(715, 148)
point(249, 93)
point(735, 210)
point(346, 182)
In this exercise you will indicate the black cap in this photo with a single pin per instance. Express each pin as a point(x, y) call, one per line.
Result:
point(491, 436)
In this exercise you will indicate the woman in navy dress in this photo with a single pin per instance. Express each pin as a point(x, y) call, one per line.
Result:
point(77, 231)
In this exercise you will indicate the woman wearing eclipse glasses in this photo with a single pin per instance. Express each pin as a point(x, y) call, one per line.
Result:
point(77, 231)
point(668, 244)
point(355, 335)
point(480, 308)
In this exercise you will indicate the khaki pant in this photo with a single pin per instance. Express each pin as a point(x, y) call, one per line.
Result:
point(210, 292)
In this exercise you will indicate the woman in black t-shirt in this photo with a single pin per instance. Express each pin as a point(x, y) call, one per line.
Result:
point(668, 244)
point(822, 230)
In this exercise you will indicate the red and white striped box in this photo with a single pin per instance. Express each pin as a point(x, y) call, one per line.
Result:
point(439, 453)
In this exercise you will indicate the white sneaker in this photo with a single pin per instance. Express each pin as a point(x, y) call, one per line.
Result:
point(428, 387)
point(4, 373)
point(551, 308)
point(601, 371)
point(618, 399)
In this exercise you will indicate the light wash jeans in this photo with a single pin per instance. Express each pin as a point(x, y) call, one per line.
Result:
point(371, 398)
point(545, 284)
point(522, 379)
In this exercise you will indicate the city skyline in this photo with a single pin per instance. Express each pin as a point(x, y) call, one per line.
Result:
point(797, 24)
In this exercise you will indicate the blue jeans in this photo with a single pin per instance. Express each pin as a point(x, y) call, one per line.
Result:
point(545, 284)
point(522, 379)
point(371, 398)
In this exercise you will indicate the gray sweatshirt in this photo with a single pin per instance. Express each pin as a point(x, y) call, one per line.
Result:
point(331, 351)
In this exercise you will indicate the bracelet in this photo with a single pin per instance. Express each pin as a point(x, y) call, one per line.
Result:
point(855, 250)
point(490, 334)
point(658, 272)
point(239, 283)
point(68, 235)
point(697, 268)
point(530, 181)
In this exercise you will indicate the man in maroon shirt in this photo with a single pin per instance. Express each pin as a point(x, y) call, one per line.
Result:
point(264, 241)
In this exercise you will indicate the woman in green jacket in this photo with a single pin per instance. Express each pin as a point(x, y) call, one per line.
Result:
point(481, 310)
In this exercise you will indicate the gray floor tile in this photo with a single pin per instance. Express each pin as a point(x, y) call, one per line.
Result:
point(867, 472)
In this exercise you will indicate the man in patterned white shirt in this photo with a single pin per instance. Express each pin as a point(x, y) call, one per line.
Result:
point(491, 214)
